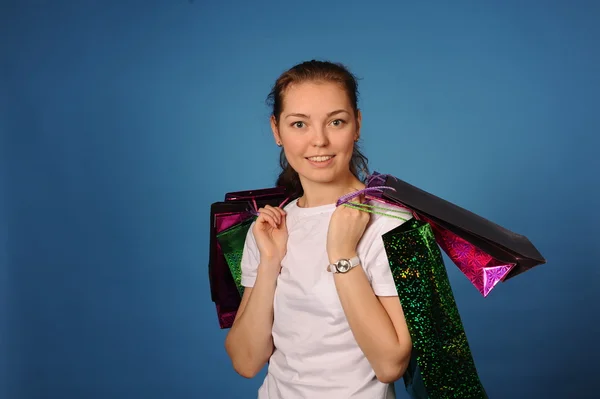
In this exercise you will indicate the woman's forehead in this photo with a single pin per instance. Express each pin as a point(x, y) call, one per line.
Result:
point(309, 97)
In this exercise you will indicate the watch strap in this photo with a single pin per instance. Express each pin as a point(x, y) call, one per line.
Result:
point(354, 261)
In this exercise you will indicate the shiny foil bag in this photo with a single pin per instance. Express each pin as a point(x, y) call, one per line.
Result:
point(441, 366)
point(485, 252)
point(229, 224)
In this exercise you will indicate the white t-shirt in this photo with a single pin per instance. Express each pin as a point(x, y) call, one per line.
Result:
point(316, 356)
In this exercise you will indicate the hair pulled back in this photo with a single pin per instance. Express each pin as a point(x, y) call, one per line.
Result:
point(315, 71)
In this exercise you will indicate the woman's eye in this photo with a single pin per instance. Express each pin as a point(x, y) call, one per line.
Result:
point(338, 122)
point(298, 124)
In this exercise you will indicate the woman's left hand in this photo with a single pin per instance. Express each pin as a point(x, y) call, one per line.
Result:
point(346, 228)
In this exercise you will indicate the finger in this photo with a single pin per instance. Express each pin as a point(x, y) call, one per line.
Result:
point(283, 223)
point(271, 212)
point(359, 199)
point(267, 219)
point(281, 210)
point(357, 205)
point(282, 215)
point(275, 211)
point(282, 219)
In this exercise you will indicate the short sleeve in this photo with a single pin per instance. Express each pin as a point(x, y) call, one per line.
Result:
point(250, 260)
point(378, 266)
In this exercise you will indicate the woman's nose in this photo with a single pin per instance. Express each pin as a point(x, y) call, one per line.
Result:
point(320, 138)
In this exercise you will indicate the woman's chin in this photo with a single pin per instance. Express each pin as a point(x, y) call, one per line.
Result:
point(323, 176)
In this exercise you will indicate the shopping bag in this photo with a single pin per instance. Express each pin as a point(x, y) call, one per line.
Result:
point(229, 224)
point(441, 365)
point(484, 251)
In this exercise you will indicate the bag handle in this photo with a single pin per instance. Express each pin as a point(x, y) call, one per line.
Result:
point(378, 210)
point(254, 206)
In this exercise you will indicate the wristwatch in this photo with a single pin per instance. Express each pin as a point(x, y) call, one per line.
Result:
point(344, 265)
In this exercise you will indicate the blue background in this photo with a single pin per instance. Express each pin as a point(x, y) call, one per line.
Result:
point(122, 121)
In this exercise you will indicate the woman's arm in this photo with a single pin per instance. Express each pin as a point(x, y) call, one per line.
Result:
point(377, 323)
point(249, 343)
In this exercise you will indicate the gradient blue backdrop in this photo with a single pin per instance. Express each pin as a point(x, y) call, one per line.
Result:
point(123, 121)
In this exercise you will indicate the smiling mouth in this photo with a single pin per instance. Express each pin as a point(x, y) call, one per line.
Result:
point(323, 158)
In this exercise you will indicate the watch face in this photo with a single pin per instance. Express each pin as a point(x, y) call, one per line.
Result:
point(343, 266)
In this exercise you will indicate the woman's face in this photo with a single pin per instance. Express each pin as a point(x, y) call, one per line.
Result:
point(317, 128)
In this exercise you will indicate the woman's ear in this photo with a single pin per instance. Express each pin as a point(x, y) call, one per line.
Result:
point(358, 124)
point(275, 130)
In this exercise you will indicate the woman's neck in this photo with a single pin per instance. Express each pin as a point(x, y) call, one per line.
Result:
point(318, 194)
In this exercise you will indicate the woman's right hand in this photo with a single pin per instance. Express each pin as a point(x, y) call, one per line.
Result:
point(271, 235)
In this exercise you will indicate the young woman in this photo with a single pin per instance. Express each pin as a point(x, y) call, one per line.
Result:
point(320, 304)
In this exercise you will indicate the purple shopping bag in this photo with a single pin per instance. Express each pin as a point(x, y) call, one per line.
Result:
point(229, 223)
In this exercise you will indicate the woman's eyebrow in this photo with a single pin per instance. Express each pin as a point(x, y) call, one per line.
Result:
point(297, 115)
point(338, 111)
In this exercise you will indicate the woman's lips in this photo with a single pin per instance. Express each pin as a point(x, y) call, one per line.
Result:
point(320, 161)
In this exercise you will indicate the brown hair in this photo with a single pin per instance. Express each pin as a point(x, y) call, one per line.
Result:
point(316, 71)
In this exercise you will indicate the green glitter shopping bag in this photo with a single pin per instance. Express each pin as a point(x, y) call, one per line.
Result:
point(441, 366)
